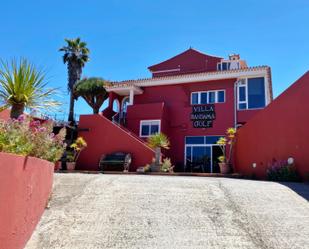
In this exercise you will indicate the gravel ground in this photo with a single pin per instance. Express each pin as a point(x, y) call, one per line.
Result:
point(140, 211)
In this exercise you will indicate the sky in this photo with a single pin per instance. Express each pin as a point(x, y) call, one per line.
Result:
point(125, 37)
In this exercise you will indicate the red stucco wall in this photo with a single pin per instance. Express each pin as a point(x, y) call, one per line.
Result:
point(104, 137)
point(25, 186)
point(177, 111)
point(5, 115)
point(279, 131)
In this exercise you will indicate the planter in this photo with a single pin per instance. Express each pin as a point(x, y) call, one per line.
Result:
point(225, 168)
point(155, 168)
point(25, 186)
point(71, 165)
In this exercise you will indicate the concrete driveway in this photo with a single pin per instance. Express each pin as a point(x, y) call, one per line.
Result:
point(139, 211)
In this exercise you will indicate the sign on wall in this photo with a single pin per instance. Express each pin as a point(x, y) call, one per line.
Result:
point(203, 116)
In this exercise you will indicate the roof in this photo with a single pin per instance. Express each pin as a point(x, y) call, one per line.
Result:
point(188, 61)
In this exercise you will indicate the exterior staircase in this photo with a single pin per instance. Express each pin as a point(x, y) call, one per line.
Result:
point(104, 136)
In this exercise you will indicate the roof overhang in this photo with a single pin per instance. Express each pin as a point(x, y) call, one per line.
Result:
point(124, 90)
point(189, 78)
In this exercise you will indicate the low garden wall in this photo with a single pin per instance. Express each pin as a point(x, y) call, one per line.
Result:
point(278, 132)
point(25, 186)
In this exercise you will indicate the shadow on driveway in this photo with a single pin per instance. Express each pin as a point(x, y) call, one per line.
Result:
point(301, 189)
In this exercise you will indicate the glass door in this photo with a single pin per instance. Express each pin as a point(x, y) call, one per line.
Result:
point(199, 159)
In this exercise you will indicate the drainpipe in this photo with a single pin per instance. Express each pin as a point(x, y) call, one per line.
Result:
point(235, 103)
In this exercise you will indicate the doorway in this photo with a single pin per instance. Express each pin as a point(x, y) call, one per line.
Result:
point(201, 154)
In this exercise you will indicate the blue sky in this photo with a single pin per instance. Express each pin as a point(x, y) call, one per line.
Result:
point(125, 37)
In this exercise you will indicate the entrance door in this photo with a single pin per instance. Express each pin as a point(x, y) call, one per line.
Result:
point(201, 154)
point(201, 159)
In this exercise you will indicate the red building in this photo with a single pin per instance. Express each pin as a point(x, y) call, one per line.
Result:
point(192, 98)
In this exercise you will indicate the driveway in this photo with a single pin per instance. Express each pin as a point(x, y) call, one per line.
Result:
point(140, 211)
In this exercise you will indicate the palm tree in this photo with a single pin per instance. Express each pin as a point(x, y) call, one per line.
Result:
point(92, 91)
point(158, 141)
point(76, 54)
point(22, 86)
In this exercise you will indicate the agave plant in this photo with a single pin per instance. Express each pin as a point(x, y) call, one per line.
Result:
point(22, 86)
point(92, 91)
point(158, 141)
point(76, 54)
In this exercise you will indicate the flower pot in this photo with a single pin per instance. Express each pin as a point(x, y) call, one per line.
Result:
point(71, 165)
point(155, 167)
point(224, 168)
point(57, 165)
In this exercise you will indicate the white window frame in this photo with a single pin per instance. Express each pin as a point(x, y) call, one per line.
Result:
point(228, 66)
point(245, 84)
point(148, 121)
point(216, 97)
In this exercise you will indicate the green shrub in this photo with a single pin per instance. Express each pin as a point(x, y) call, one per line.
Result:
point(282, 171)
point(167, 165)
point(27, 137)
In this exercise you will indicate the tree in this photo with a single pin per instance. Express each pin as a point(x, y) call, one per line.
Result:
point(158, 141)
point(92, 91)
point(22, 86)
point(76, 54)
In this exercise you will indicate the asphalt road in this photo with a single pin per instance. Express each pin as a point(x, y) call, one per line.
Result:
point(140, 211)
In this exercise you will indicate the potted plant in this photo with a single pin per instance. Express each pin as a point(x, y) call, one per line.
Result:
point(73, 154)
point(158, 141)
point(225, 159)
point(167, 166)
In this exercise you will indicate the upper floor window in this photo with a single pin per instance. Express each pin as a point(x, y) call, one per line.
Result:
point(149, 127)
point(251, 93)
point(209, 97)
point(223, 66)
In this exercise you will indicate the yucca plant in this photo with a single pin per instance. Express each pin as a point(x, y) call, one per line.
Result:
point(158, 141)
point(22, 86)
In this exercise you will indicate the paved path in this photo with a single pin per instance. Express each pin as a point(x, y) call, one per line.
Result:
point(138, 211)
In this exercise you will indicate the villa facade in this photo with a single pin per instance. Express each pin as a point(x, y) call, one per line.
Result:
point(192, 98)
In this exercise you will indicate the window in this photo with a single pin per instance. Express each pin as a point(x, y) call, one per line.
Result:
point(242, 93)
point(209, 97)
point(221, 97)
point(204, 98)
point(202, 139)
point(194, 98)
point(195, 140)
point(149, 127)
point(256, 93)
point(223, 66)
point(251, 93)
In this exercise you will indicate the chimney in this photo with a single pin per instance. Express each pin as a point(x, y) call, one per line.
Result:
point(234, 57)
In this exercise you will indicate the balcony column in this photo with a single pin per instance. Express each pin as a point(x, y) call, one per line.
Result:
point(110, 100)
point(131, 98)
